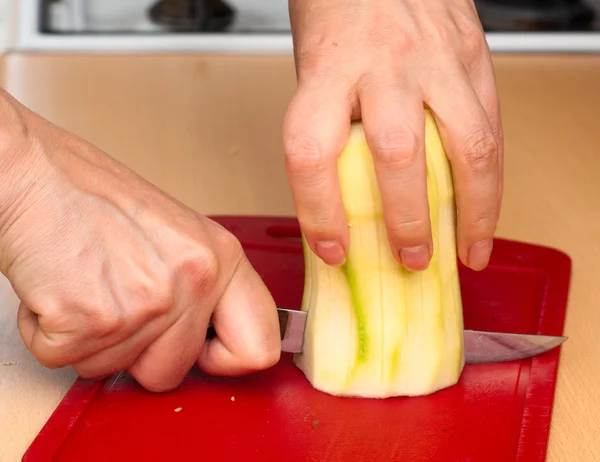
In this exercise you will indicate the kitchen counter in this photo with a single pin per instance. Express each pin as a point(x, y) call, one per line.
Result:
point(192, 124)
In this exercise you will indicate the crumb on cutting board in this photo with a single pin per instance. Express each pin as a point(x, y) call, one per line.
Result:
point(10, 363)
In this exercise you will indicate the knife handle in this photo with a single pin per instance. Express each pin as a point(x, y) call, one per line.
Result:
point(210, 332)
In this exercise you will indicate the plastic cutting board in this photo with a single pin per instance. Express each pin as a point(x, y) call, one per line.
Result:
point(497, 412)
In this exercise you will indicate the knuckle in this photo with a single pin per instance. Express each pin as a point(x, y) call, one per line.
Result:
point(161, 299)
point(474, 43)
point(234, 251)
point(53, 351)
point(318, 230)
point(107, 321)
point(143, 287)
point(58, 320)
point(392, 43)
point(472, 35)
point(403, 44)
point(160, 306)
point(482, 226)
point(207, 268)
point(52, 344)
point(303, 154)
point(94, 315)
point(398, 148)
point(150, 296)
point(317, 57)
point(438, 36)
point(234, 247)
point(316, 64)
point(413, 227)
point(320, 222)
point(480, 150)
point(498, 132)
point(201, 269)
point(229, 241)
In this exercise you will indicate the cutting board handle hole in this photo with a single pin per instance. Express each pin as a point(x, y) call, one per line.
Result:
point(288, 233)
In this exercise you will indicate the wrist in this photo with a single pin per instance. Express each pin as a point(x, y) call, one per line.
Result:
point(17, 157)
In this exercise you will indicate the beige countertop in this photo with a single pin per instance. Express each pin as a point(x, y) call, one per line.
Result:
point(208, 131)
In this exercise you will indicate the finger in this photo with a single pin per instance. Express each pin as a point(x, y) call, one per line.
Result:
point(315, 131)
point(163, 365)
point(484, 84)
point(122, 355)
point(247, 327)
point(394, 123)
point(35, 339)
point(67, 337)
point(473, 152)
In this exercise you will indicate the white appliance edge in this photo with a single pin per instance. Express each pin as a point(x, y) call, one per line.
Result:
point(27, 38)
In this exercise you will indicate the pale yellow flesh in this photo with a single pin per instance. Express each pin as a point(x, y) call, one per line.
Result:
point(373, 328)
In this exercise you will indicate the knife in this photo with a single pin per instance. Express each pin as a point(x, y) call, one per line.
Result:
point(479, 346)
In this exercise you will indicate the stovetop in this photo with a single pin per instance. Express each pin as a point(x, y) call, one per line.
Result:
point(164, 16)
point(262, 26)
point(271, 16)
point(539, 15)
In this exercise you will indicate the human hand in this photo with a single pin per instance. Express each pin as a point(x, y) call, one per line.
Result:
point(115, 275)
point(382, 61)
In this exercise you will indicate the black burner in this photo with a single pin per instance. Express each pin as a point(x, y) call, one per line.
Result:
point(535, 15)
point(192, 15)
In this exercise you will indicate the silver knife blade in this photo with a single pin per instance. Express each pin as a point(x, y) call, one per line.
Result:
point(495, 347)
point(480, 347)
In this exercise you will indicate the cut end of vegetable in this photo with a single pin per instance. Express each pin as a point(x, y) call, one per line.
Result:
point(374, 329)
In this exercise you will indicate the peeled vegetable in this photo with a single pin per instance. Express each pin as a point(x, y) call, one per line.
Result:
point(373, 328)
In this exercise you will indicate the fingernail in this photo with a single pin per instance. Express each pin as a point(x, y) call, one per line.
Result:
point(331, 252)
point(415, 258)
point(479, 254)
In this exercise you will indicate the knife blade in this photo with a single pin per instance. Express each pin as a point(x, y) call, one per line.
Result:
point(480, 346)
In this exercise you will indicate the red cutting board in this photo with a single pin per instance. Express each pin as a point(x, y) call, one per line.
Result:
point(497, 412)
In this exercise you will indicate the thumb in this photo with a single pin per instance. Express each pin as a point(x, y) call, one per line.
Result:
point(247, 327)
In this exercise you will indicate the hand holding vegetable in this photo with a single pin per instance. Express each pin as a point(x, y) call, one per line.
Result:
point(382, 61)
